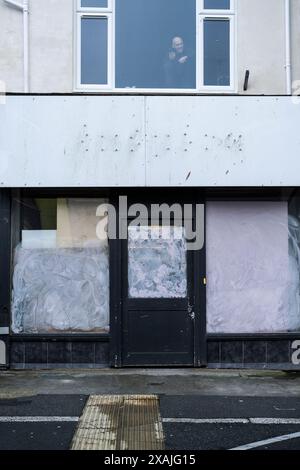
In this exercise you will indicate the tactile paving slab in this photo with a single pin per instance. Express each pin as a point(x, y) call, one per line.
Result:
point(120, 422)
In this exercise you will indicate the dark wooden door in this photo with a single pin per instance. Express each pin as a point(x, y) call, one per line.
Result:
point(158, 315)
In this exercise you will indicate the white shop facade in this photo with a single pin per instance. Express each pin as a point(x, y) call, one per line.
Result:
point(72, 298)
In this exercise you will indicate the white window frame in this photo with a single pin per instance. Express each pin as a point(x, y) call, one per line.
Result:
point(229, 15)
point(106, 13)
point(108, 9)
point(201, 15)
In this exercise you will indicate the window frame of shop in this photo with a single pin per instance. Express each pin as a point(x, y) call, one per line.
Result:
point(240, 194)
point(202, 14)
point(16, 218)
point(5, 273)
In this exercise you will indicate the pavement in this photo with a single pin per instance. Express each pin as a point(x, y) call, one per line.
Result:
point(17, 383)
point(200, 409)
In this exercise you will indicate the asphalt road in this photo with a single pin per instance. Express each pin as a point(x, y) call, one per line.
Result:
point(189, 422)
point(214, 435)
point(44, 435)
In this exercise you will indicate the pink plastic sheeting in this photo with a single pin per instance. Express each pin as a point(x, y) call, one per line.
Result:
point(252, 280)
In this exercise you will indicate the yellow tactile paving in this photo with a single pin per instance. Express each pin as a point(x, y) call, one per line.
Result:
point(120, 422)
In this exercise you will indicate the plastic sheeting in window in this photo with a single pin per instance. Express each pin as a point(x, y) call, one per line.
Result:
point(156, 266)
point(60, 290)
point(252, 268)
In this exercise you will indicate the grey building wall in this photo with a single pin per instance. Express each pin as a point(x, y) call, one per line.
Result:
point(11, 52)
point(50, 46)
point(295, 28)
point(260, 45)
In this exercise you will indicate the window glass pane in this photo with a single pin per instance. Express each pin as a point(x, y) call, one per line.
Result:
point(156, 262)
point(217, 4)
point(217, 52)
point(94, 3)
point(94, 50)
point(155, 43)
point(61, 274)
point(253, 266)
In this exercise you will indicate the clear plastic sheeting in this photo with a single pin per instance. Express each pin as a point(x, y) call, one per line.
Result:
point(294, 265)
point(253, 266)
point(156, 264)
point(61, 268)
point(60, 290)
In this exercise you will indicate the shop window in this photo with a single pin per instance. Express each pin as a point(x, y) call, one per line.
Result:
point(158, 45)
point(60, 273)
point(253, 266)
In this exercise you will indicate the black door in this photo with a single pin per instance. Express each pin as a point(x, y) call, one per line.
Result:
point(158, 314)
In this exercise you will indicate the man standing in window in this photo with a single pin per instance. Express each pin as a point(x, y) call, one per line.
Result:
point(178, 66)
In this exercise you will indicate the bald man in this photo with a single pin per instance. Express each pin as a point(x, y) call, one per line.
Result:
point(176, 67)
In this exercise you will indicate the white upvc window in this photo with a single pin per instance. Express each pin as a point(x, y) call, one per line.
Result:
point(94, 47)
point(217, 47)
point(94, 5)
point(153, 45)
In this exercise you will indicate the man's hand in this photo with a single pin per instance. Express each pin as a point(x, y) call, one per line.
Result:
point(172, 55)
point(183, 59)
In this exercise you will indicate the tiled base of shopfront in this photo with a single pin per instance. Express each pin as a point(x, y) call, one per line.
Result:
point(223, 353)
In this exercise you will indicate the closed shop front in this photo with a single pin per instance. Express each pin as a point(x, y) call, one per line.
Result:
point(140, 278)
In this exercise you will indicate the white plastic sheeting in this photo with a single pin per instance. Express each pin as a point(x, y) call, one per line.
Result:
point(253, 274)
point(156, 265)
point(60, 290)
point(61, 276)
point(294, 265)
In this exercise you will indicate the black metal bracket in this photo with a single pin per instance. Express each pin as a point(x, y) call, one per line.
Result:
point(246, 81)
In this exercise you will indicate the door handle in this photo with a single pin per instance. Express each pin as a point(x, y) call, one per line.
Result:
point(192, 315)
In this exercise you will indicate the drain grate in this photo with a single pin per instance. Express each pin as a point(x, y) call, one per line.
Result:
point(120, 422)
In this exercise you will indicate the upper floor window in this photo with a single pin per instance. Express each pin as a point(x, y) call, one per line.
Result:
point(217, 4)
point(140, 45)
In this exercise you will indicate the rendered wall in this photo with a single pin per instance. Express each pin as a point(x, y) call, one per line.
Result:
point(51, 39)
point(260, 45)
point(295, 28)
point(11, 51)
point(50, 46)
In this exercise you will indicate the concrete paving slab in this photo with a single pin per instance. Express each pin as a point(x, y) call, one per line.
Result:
point(120, 422)
point(149, 381)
